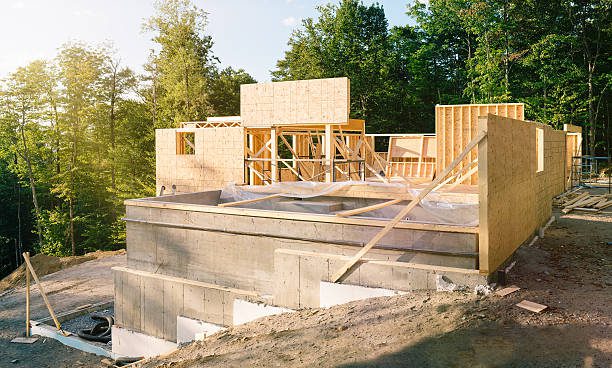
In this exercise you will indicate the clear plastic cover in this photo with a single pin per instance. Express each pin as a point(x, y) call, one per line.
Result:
point(434, 208)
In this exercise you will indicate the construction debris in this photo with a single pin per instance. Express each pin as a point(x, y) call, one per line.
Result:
point(24, 340)
point(508, 290)
point(582, 201)
point(531, 306)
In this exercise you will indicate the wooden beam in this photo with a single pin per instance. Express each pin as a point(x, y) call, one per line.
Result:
point(274, 153)
point(27, 300)
point(373, 207)
point(247, 201)
point(462, 178)
point(421, 155)
point(402, 214)
point(456, 176)
point(372, 170)
point(26, 257)
point(329, 152)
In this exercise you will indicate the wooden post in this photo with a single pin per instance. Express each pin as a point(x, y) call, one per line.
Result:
point(42, 292)
point(250, 170)
point(329, 148)
point(27, 298)
point(402, 214)
point(274, 155)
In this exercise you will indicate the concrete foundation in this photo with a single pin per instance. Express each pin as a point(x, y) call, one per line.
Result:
point(189, 329)
point(133, 344)
point(194, 267)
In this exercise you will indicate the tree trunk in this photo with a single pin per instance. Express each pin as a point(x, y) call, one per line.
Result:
point(71, 215)
point(112, 125)
point(592, 127)
point(187, 100)
point(26, 157)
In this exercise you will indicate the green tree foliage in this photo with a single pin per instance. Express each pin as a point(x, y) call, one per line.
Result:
point(77, 133)
point(552, 55)
point(224, 91)
point(184, 62)
point(348, 39)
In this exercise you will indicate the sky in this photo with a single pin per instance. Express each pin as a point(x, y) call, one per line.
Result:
point(248, 34)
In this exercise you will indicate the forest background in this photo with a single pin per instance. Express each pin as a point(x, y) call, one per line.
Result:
point(77, 131)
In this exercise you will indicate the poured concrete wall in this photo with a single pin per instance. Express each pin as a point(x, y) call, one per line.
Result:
point(298, 274)
point(238, 251)
point(150, 303)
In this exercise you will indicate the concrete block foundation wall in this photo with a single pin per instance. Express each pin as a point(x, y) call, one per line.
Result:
point(150, 303)
point(229, 248)
point(298, 276)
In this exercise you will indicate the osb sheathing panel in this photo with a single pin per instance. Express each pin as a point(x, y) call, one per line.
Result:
point(456, 126)
point(412, 146)
point(218, 160)
point(515, 200)
point(313, 101)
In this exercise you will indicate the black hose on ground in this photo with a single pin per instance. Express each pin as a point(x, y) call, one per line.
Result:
point(101, 331)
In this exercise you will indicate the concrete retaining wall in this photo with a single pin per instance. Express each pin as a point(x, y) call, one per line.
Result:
point(297, 276)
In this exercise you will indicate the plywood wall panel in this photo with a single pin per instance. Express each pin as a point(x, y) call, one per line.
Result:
point(515, 198)
point(217, 161)
point(313, 101)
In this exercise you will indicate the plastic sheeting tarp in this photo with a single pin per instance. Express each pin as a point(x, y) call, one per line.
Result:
point(434, 208)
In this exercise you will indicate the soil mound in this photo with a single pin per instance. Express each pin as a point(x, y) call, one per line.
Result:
point(44, 264)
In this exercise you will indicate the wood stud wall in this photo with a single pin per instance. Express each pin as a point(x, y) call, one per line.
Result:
point(573, 148)
point(412, 156)
point(456, 125)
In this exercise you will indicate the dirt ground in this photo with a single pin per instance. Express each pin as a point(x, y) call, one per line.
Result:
point(44, 265)
point(86, 283)
point(569, 270)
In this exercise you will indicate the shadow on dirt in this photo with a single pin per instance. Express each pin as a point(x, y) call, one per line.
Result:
point(511, 345)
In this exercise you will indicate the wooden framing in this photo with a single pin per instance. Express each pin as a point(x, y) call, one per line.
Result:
point(325, 152)
point(214, 122)
point(457, 124)
point(515, 199)
point(338, 276)
point(573, 148)
point(412, 156)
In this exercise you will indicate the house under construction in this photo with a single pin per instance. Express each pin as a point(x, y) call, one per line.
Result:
point(292, 205)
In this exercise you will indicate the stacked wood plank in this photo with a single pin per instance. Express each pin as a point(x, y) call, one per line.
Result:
point(578, 200)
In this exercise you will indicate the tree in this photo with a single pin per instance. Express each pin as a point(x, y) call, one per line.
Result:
point(184, 63)
point(349, 39)
point(116, 82)
point(26, 105)
point(80, 70)
point(224, 91)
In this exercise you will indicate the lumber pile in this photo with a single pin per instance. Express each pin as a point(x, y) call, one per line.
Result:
point(578, 200)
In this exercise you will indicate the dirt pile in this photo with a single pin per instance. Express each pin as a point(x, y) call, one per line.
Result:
point(44, 265)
